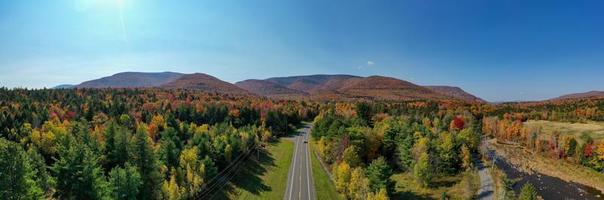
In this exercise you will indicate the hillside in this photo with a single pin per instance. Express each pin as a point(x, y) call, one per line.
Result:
point(131, 80)
point(455, 92)
point(345, 87)
point(590, 94)
point(318, 87)
point(204, 82)
point(380, 87)
point(311, 82)
point(267, 88)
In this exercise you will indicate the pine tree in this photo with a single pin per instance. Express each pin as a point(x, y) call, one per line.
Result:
point(125, 182)
point(40, 169)
point(116, 144)
point(16, 174)
point(77, 171)
point(378, 173)
point(143, 157)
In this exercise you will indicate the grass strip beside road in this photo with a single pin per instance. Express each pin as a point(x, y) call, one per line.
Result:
point(324, 187)
point(265, 179)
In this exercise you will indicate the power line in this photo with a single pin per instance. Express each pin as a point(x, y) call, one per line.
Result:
point(226, 172)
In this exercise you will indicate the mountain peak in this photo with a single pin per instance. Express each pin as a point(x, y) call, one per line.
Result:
point(204, 82)
point(131, 80)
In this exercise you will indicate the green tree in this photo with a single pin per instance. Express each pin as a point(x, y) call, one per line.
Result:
point(571, 147)
point(116, 144)
point(77, 171)
point(363, 111)
point(351, 156)
point(423, 170)
point(125, 182)
point(378, 173)
point(143, 157)
point(40, 169)
point(528, 192)
point(447, 153)
point(405, 151)
point(16, 173)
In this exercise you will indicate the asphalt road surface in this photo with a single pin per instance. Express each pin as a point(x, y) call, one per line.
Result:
point(300, 182)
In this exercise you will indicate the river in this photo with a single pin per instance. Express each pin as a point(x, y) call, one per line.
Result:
point(548, 187)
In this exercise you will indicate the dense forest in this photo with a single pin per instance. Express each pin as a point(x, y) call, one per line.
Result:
point(172, 144)
point(130, 144)
point(368, 146)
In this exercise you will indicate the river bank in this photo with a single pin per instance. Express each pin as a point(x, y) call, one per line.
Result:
point(552, 182)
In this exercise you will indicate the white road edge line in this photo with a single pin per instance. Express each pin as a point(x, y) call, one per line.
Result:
point(293, 171)
point(300, 174)
point(308, 160)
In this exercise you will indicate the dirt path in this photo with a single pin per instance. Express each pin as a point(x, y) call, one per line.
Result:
point(487, 185)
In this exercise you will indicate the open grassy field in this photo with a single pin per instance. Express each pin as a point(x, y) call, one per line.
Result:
point(594, 129)
point(462, 186)
point(262, 178)
point(324, 187)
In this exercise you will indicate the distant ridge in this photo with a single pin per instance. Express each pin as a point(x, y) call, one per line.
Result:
point(455, 92)
point(204, 82)
point(269, 89)
point(310, 83)
point(132, 80)
point(63, 86)
point(317, 87)
point(590, 94)
point(348, 87)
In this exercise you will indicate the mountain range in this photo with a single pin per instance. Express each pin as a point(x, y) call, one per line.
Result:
point(590, 94)
point(319, 87)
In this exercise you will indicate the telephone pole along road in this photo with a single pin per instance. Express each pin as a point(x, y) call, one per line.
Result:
point(299, 182)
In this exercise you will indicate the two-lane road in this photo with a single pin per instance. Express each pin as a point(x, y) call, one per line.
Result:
point(300, 183)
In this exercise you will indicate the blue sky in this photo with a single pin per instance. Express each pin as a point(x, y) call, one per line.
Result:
point(498, 50)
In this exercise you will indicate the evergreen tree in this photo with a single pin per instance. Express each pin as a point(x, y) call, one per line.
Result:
point(125, 183)
point(143, 157)
point(116, 145)
point(77, 171)
point(43, 177)
point(16, 173)
point(378, 173)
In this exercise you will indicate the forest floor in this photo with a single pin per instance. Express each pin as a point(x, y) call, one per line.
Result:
point(263, 177)
point(461, 186)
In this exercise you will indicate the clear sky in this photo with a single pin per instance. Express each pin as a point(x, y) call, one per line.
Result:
point(498, 50)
